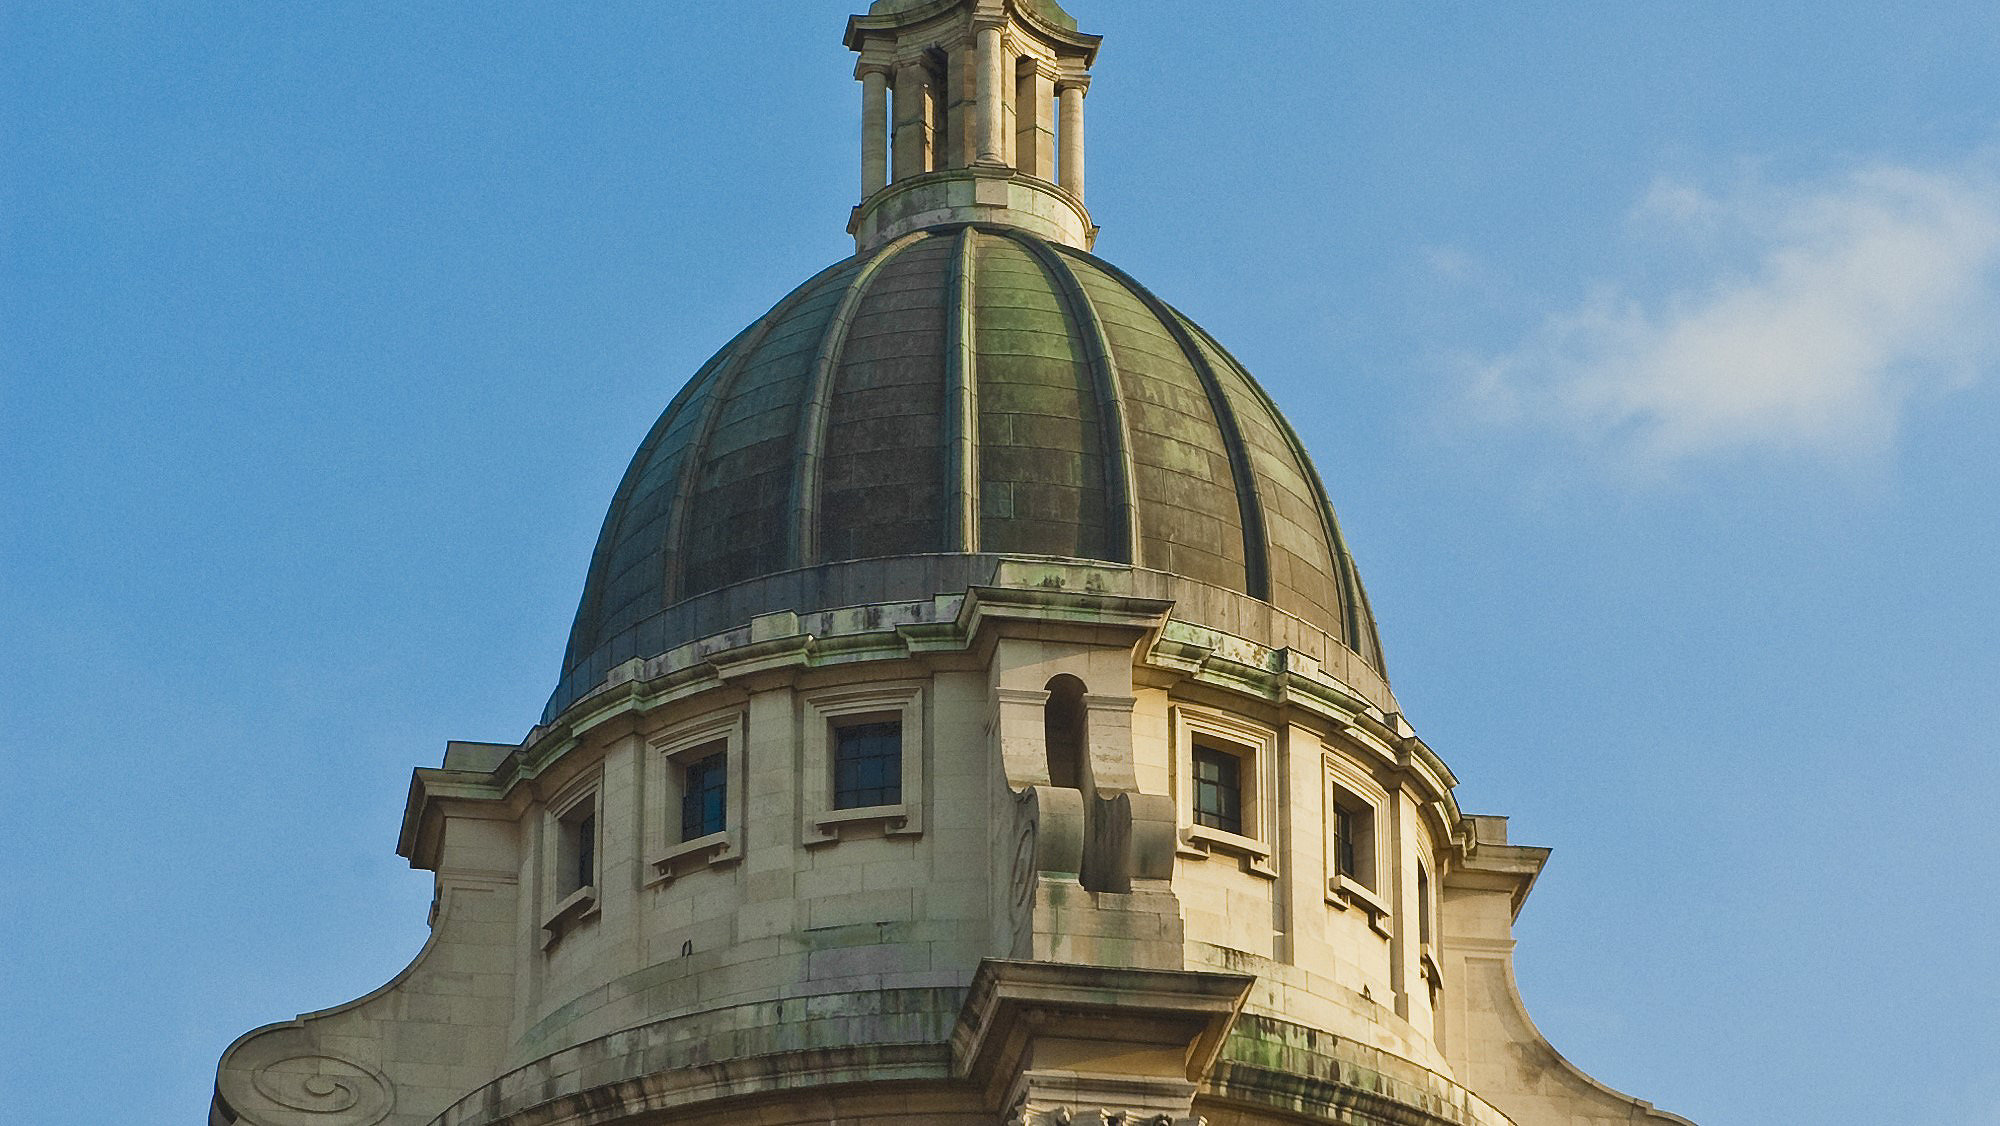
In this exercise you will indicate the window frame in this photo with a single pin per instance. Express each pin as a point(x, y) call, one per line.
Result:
point(1255, 748)
point(696, 804)
point(1345, 786)
point(1228, 812)
point(875, 727)
point(824, 712)
point(672, 752)
point(1430, 907)
point(577, 805)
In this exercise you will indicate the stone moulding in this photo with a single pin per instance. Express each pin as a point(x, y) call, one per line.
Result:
point(1273, 1064)
point(1011, 1003)
point(315, 1069)
point(958, 1049)
point(998, 196)
point(1099, 599)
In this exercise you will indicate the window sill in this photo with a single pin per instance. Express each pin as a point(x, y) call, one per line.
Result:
point(1345, 891)
point(575, 908)
point(834, 825)
point(711, 851)
point(1201, 841)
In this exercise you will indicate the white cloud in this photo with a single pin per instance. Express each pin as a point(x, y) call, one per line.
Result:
point(1842, 303)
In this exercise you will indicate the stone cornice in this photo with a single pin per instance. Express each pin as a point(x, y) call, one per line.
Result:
point(1032, 597)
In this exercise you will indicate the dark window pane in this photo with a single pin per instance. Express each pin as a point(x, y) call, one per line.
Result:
point(1345, 825)
point(1423, 905)
point(586, 850)
point(704, 788)
point(1218, 789)
point(867, 765)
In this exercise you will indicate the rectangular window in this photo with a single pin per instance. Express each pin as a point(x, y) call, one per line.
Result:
point(1218, 789)
point(1423, 905)
point(704, 796)
point(576, 847)
point(868, 765)
point(586, 851)
point(696, 822)
point(1345, 826)
point(568, 856)
point(1353, 838)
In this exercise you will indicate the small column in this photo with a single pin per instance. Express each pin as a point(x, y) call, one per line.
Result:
point(1070, 94)
point(991, 79)
point(874, 130)
point(912, 120)
point(1034, 122)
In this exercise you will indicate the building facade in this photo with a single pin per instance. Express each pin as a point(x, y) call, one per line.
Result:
point(973, 715)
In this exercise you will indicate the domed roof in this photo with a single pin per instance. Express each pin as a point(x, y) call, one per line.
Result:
point(963, 390)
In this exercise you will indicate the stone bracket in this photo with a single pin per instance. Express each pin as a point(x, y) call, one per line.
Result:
point(1098, 1044)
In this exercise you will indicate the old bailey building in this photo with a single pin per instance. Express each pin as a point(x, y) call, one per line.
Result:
point(973, 715)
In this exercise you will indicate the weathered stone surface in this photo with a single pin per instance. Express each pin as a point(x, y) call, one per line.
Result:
point(1148, 841)
point(963, 391)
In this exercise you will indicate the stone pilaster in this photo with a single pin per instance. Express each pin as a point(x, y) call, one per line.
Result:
point(1034, 121)
point(913, 138)
point(1054, 1044)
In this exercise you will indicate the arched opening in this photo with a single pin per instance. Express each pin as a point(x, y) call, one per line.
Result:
point(1063, 729)
point(937, 109)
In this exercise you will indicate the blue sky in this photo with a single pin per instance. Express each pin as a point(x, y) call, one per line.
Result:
point(1647, 351)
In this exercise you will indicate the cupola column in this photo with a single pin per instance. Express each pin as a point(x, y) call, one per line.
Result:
point(874, 128)
point(1069, 92)
point(960, 118)
point(989, 92)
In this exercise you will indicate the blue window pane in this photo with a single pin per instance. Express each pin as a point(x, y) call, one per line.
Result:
point(1218, 789)
point(704, 786)
point(867, 765)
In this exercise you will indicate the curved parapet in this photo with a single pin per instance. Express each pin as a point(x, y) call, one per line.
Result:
point(1537, 1080)
point(400, 1054)
point(1026, 1044)
point(1269, 1064)
point(1493, 1044)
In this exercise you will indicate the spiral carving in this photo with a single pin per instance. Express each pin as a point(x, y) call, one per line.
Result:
point(1023, 876)
point(348, 1093)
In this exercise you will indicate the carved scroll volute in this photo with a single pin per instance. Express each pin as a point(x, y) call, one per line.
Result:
point(1153, 835)
point(1130, 837)
point(1048, 843)
point(296, 1084)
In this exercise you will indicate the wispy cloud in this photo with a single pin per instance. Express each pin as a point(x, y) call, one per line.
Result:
point(1800, 320)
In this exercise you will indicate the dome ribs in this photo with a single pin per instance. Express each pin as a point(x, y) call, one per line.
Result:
point(809, 466)
point(881, 489)
point(617, 546)
point(1250, 506)
point(678, 583)
point(1182, 486)
point(1352, 605)
point(1122, 526)
point(961, 375)
point(1042, 465)
point(962, 392)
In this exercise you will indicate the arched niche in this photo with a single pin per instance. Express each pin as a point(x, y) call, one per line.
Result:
point(1065, 731)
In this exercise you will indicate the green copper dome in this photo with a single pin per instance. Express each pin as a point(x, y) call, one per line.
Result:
point(963, 392)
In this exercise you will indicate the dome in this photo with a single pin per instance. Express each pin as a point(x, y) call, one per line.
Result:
point(973, 715)
point(959, 393)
